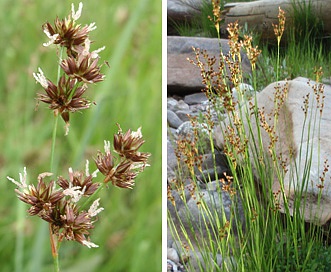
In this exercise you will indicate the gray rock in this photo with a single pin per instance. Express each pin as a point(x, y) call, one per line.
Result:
point(171, 156)
point(181, 105)
point(173, 120)
point(196, 98)
point(177, 9)
point(171, 103)
point(184, 115)
point(172, 255)
point(187, 130)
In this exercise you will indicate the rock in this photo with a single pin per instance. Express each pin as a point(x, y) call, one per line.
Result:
point(196, 98)
point(242, 89)
point(259, 16)
point(187, 130)
point(171, 103)
point(184, 115)
point(199, 261)
point(182, 105)
point(171, 156)
point(184, 77)
point(173, 119)
point(299, 140)
point(179, 9)
point(172, 255)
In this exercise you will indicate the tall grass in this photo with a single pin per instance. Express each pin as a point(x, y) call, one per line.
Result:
point(263, 238)
point(130, 234)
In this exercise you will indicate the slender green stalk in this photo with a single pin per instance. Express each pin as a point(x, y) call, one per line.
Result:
point(52, 166)
point(278, 53)
point(53, 240)
point(54, 247)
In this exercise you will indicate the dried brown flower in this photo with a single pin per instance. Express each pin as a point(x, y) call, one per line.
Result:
point(83, 68)
point(75, 225)
point(121, 175)
point(127, 145)
point(131, 161)
point(64, 98)
point(279, 29)
point(77, 179)
point(42, 198)
point(67, 33)
point(59, 208)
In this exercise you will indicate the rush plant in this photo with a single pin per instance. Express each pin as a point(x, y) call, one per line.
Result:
point(69, 203)
point(268, 236)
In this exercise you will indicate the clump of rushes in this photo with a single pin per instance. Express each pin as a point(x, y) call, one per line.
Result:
point(69, 203)
point(259, 233)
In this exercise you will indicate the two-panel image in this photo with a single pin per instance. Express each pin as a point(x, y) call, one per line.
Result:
point(178, 136)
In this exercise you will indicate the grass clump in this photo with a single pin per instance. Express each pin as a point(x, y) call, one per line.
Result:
point(244, 223)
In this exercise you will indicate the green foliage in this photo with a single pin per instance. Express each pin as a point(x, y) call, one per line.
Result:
point(198, 24)
point(129, 231)
point(306, 26)
point(316, 257)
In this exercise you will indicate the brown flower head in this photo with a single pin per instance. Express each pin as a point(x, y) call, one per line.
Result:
point(67, 33)
point(124, 175)
point(43, 198)
point(75, 224)
point(84, 183)
point(64, 98)
point(127, 145)
point(279, 29)
point(105, 162)
point(121, 175)
point(83, 68)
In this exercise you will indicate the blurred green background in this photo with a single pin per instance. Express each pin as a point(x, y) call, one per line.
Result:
point(129, 229)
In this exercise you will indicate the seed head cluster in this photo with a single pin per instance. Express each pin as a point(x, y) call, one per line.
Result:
point(79, 68)
point(58, 203)
point(61, 201)
point(280, 27)
point(131, 162)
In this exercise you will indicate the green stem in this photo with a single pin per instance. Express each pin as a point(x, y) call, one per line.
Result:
point(277, 70)
point(53, 238)
point(53, 142)
point(54, 247)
